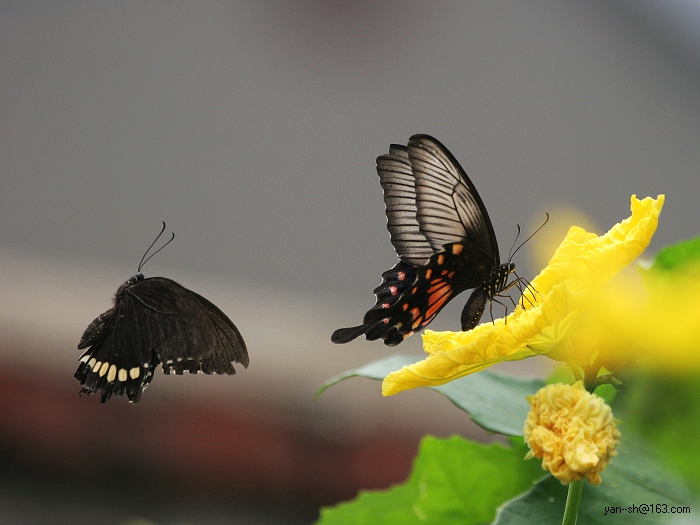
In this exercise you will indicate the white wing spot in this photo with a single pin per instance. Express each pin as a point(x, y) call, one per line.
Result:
point(112, 374)
point(134, 372)
point(103, 368)
point(122, 375)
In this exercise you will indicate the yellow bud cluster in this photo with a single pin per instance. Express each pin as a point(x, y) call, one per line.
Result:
point(572, 431)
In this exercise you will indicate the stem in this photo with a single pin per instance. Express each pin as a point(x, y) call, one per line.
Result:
point(573, 498)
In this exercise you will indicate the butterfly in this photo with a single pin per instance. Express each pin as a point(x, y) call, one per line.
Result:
point(155, 321)
point(445, 241)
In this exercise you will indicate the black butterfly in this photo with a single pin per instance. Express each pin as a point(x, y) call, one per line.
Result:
point(443, 236)
point(155, 320)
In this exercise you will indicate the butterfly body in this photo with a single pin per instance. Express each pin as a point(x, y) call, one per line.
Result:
point(443, 236)
point(155, 321)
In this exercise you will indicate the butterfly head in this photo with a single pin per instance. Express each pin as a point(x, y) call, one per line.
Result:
point(140, 277)
point(128, 284)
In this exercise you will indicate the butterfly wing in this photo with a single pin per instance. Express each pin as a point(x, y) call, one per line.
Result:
point(157, 320)
point(399, 185)
point(119, 360)
point(449, 209)
point(188, 332)
point(395, 282)
point(436, 283)
point(397, 180)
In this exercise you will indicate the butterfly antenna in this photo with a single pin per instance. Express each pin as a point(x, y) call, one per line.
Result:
point(510, 253)
point(530, 237)
point(145, 259)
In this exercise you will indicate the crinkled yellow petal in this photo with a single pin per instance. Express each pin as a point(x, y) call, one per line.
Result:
point(456, 354)
point(543, 323)
point(585, 260)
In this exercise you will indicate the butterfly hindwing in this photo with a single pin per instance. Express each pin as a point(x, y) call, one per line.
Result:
point(119, 360)
point(446, 274)
point(395, 282)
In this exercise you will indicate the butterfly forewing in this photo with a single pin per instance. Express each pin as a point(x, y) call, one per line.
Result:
point(399, 185)
point(229, 346)
point(181, 328)
point(449, 208)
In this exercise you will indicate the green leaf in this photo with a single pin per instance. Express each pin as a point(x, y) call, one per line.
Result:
point(666, 412)
point(634, 478)
point(495, 402)
point(678, 258)
point(453, 481)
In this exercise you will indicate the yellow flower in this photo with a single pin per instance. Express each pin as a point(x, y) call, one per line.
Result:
point(544, 322)
point(656, 324)
point(572, 431)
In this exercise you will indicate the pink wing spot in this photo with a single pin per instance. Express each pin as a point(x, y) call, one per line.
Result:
point(400, 276)
point(393, 290)
point(384, 305)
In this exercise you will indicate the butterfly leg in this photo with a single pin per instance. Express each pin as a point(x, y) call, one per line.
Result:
point(528, 285)
point(505, 307)
point(501, 293)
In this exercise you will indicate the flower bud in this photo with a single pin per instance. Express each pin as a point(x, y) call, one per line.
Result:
point(572, 431)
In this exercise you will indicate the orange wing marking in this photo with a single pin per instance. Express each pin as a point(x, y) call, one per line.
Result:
point(436, 285)
point(437, 300)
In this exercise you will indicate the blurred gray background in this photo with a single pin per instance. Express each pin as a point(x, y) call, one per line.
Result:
point(252, 129)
